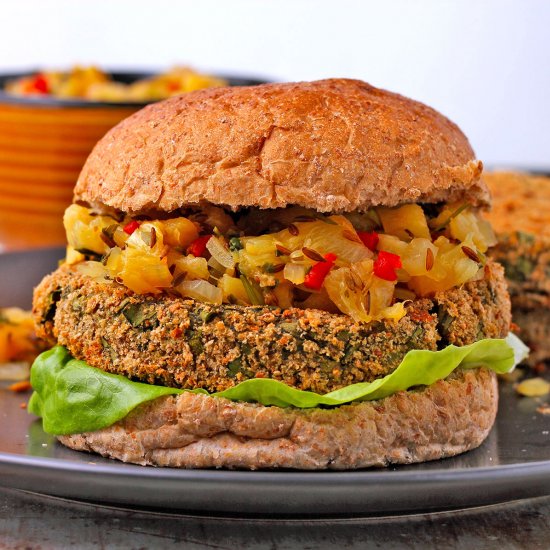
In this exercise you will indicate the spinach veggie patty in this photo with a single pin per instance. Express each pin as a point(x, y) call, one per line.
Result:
point(187, 344)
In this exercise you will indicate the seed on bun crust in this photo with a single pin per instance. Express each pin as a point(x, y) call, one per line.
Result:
point(288, 275)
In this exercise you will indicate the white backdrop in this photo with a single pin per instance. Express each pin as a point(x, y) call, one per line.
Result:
point(485, 64)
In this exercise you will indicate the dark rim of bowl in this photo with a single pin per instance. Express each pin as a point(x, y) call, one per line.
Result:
point(118, 76)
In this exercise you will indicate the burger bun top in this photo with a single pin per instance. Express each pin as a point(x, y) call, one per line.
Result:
point(333, 145)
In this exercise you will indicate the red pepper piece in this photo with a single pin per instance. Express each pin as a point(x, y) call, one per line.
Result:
point(40, 84)
point(316, 276)
point(370, 239)
point(386, 264)
point(198, 246)
point(130, 227)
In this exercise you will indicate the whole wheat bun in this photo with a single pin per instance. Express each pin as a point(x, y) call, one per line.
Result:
point(198, 431)
point(330, 145)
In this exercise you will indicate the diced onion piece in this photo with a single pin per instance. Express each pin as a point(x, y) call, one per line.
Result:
point(468, 226)
point(392, 244)
point(455, 267)
point(487, 234)
point(415, 256)
point(120, 237)
point(405, 221)
point(179, 231)
point(144, 273)
point(115, 262)
point(233, 289)
point(256, 246)
point(194, 268)
point(295, 273)
point(321, 236)
point(327, 238)
point(73, 257)
point(444, 244)
point(216, 269)
point(381, 294)
point(83, 230)
point(444, 217)
point(256, 254)
point(95, 270)
point(219, 252)
point(202, 291)
point(348, 288)
point(394, 313)
point(147, 238)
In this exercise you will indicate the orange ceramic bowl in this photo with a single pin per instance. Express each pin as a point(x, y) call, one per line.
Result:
point(44, 142)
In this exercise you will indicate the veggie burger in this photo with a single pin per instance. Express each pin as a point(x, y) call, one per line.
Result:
point(281, 276)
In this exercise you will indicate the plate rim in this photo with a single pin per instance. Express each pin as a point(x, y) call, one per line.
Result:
point(117, 468)
point(222, 492)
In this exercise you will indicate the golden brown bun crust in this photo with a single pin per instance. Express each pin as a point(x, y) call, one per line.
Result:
point(198, 431)
point(331, 145)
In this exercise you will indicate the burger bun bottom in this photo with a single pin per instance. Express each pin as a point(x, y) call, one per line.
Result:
point(197, 431)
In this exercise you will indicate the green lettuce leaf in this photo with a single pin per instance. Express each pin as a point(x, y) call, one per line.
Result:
point(72, 397)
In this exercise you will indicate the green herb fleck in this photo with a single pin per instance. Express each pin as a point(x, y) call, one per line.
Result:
point(246, 349)
point(453, 215)
point(329, 365)
point(235, 244)
point(195, 342)
point(349, 353)
point(234, 367)
point(255, 295)
point(138, 316)
point(207, 315)
point(109, 349)
point(417, 333)
point(343, 335)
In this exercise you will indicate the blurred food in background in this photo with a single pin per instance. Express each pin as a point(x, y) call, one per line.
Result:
point(49, 123)
point(521, 218)
point(18, 343)
point(91, 83)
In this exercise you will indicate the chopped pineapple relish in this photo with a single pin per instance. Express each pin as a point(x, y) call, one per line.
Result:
point(366, 265)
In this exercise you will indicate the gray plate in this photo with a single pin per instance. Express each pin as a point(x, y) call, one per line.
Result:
point(513, 463)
